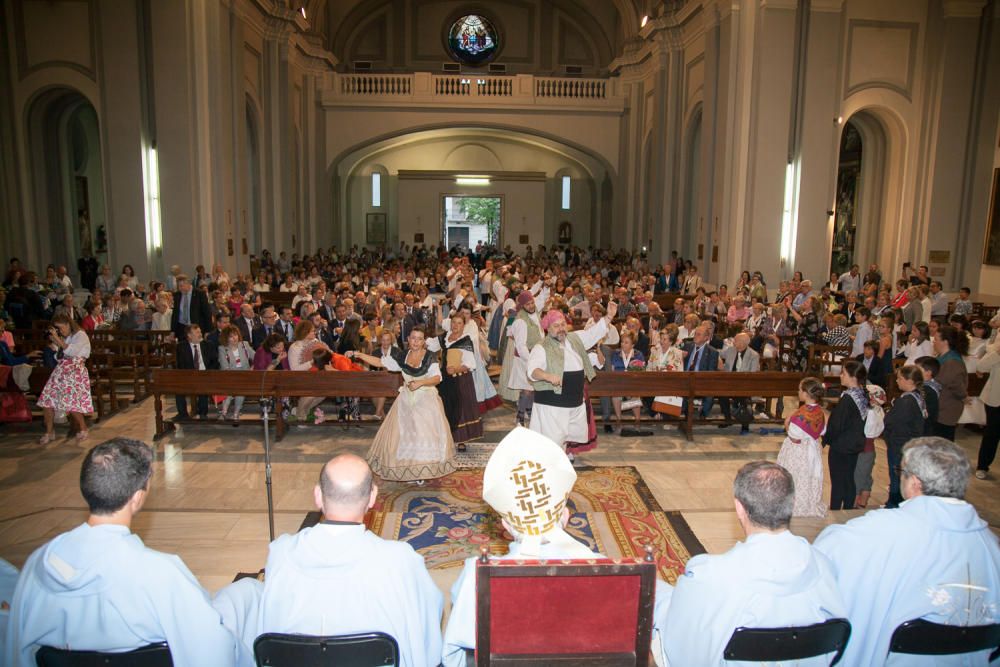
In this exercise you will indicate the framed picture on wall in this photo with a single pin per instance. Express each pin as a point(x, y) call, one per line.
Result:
point(375, 229)
point(991, 255)
point(418, 237)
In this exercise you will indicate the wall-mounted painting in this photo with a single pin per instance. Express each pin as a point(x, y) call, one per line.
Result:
point(992, 253)
point(375, 229)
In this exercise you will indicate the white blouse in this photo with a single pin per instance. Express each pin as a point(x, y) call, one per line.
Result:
point(77, 346)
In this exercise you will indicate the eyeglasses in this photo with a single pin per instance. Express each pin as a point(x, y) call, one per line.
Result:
point(900, 470)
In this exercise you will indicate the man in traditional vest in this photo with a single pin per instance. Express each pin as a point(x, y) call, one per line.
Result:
point(558, 367)
point(526, 331)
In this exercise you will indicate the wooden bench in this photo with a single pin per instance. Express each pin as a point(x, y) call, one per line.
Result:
point(275, 385)
point(125, 360)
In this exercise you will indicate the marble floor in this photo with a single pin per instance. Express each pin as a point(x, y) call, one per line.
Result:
point(208, 501)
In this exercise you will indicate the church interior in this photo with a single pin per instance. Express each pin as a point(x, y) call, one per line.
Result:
point(780, 136)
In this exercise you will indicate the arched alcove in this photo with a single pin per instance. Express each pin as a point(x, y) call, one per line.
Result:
point(67, 176)
point(867, 206)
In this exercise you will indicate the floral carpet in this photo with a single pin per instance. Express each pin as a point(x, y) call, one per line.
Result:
point(612, 511)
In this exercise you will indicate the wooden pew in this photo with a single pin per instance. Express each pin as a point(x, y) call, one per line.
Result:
point(272, 384)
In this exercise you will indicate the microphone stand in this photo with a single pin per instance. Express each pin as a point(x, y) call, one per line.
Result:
point(265, 407)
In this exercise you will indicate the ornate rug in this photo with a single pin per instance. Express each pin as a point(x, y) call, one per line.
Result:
point(611, 510)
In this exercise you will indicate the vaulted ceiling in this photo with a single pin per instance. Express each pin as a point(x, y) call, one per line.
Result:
point(539, 36)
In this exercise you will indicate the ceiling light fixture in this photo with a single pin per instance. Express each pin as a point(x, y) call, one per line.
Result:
point(472, 180)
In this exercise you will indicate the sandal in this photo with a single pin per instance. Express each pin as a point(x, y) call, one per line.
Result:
point(82, 435)
point(47, 438)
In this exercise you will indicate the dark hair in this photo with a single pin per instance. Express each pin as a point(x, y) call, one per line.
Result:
point(813, 387)
point(191, 327)
point(924, 330)
point(113, 471)
point(350, 337)
point(912, 373)
point(273, 340)
point(872, 343)
point(864, 310)
point(957, 340)
point(767, 493)
point(960, 320)
point(321, 357)
point(857, 370)
point(965, 289)
point(929, 364)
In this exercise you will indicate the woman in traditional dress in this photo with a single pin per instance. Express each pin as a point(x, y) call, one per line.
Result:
point(801, 453)
point(457, 388)
point(414, 442)
point(486, 394)
point(68, 388)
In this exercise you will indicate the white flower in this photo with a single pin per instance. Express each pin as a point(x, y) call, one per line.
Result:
point(939, 596)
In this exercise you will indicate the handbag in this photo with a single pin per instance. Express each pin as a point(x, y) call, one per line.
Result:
point(874, 422)
point(630, 403)
point(668, 405)
point(743, 414)
point(974, 412)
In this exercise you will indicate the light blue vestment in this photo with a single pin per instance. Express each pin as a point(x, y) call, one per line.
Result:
point(343, 579)
point(99, 588)
point(8, 580)
point(461, 631)
point(767, 581)
point(930, 558)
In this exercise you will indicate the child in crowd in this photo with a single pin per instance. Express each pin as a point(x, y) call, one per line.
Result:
point(931, 390)
point(866, 459)
point(845, 434)
point(801, 453)
point(907, 419)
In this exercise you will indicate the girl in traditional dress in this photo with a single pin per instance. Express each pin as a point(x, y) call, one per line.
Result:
point(235, 354)
point(414, 442)
point(68, 388)
point(457, 388)
point(801, 453)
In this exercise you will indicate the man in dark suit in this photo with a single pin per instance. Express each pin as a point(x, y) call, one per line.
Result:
point(323, 332)
point(214, 337)
point(701, 356)
point(877, 367)
point(246, 322)
point(328, 308)
point(412, 310)
point(190, 307)
point(286, 324)
point(406, 323)
point(268, 325)
point(193, 353)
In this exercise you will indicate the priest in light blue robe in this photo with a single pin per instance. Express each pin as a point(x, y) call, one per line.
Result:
point(97, 587)
point(499, 491)
point(8, 580)
point(338, 578)
point(773, 579)
point(931, 558)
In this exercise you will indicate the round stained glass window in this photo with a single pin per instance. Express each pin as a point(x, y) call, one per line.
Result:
point(473, 40)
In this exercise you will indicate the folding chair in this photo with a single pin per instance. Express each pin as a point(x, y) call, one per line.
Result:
point(920, 637)
point(793, 643)
point(154, 655)
point(370, 649)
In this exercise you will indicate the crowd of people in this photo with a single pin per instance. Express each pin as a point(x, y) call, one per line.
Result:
point(99, 588)
point(547, 317)
point(550, 319)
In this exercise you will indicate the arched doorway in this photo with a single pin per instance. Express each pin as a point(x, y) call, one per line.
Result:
point(845, 222)
point(67, 179)
point(866, 208)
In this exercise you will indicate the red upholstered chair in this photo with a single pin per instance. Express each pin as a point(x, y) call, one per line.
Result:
point(573, 612)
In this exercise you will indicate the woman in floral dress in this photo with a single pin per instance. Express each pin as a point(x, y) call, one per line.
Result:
point(68, 388)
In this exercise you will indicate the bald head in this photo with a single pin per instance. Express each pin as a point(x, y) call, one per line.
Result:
point(346, 489)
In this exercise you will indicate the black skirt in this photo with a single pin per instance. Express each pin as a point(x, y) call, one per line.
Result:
point(458, 393)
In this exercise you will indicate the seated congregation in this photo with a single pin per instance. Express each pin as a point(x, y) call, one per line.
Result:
point(98, 588)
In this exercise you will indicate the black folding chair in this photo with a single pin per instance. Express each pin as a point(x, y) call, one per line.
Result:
point(920, 637)
point(154, 655)
point(370, 649)
point(797, 643)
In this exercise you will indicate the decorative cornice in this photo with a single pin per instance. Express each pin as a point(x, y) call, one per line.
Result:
point(779, 4)
point(827, 6)
point(962, 9)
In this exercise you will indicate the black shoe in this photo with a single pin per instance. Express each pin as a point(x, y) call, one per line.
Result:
point(608, 428)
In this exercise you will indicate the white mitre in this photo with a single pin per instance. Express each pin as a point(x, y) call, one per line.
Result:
point(527, 481)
